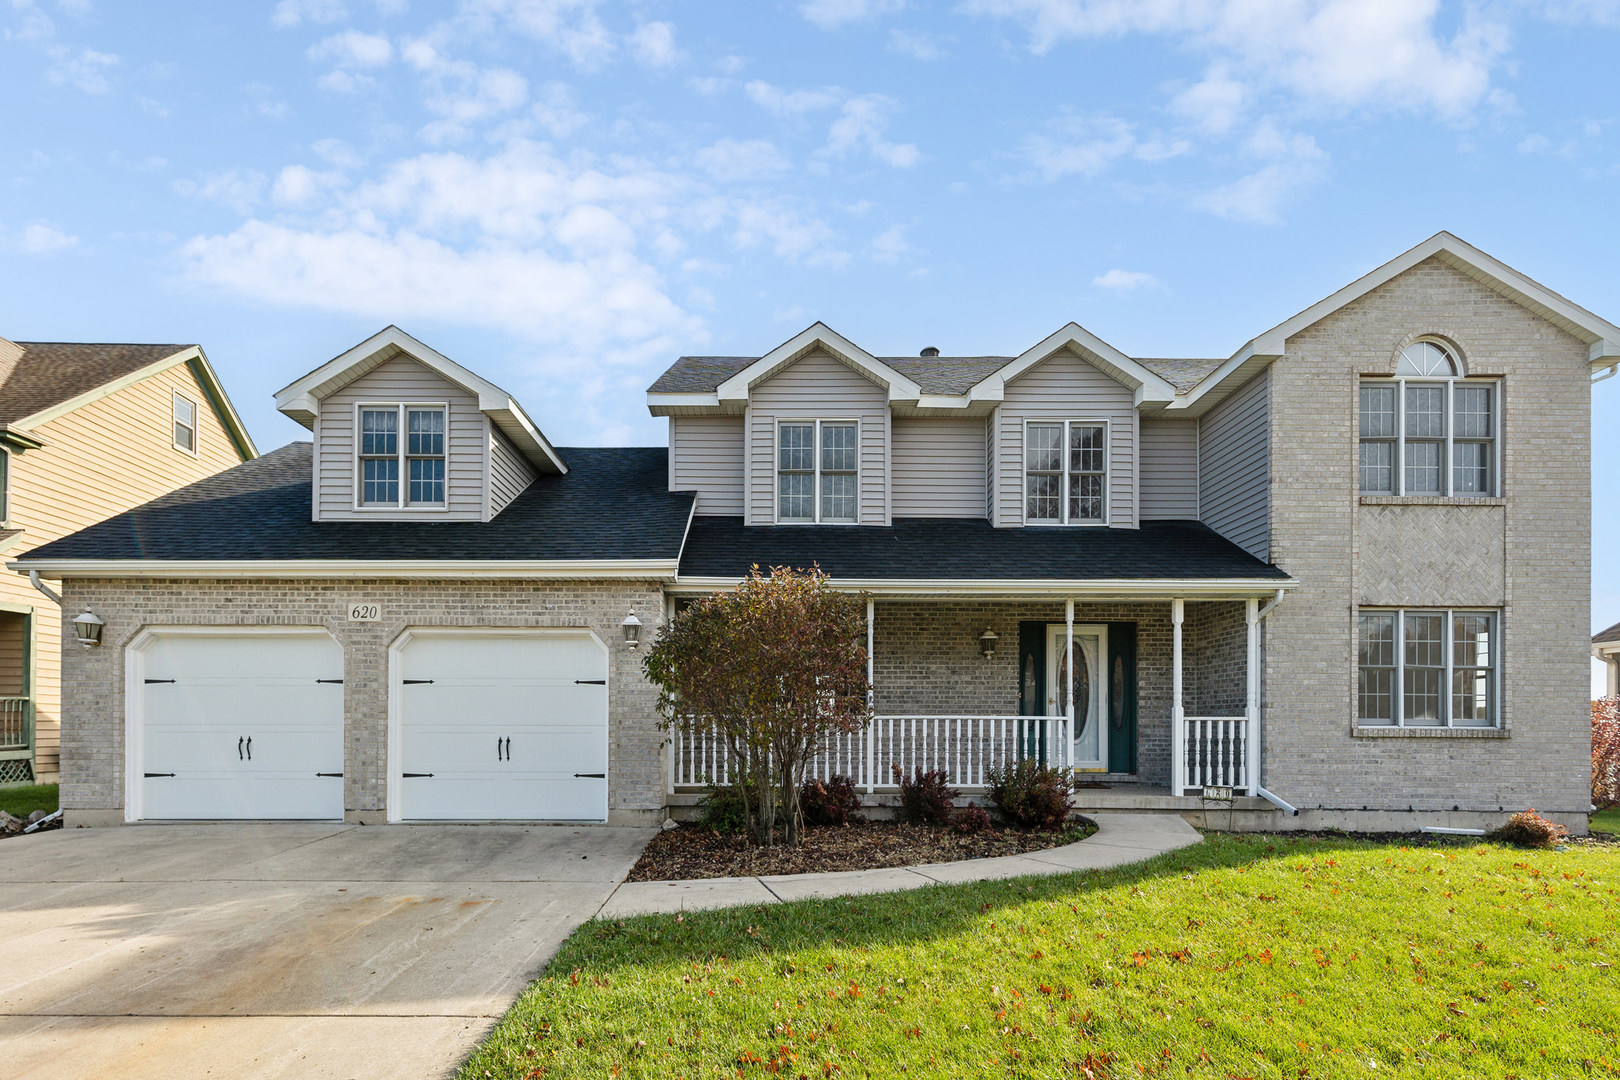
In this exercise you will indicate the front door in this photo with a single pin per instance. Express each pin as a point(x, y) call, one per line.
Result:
point(1088, 750)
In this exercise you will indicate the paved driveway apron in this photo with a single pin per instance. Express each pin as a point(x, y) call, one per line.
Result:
point(251, 951)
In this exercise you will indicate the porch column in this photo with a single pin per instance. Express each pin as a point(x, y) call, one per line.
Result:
point(1065, 752)
point(871, 705)
point(1251, 708)
point(1178, 716)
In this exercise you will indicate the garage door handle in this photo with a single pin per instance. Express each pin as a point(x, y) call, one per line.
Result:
point(328, 774)
point(508, 748)
point(239, 748)
point(414, 682)
point(409, 775)
point(149, 682)
point(498, 748)
point(590, 682)
point(590, 775)
point(250, 748)
point(158, 774)
point(337, 681)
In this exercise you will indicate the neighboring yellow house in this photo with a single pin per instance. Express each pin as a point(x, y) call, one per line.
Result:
point(86, 432)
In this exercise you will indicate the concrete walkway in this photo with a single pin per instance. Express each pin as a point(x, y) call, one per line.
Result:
point(1119, 839)
point(166, 952)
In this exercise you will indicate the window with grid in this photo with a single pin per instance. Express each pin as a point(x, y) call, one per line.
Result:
point(1427, 431)
point(185, 424)
point(818, 471)
point(1066, 473)
point(418, 458)
point(1427, 668)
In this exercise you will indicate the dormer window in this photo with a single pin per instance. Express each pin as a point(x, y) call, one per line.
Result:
point(1066, 473)
point(817, 472)
point(406, 471)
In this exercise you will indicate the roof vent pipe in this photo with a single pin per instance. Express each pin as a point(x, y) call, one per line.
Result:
point(929, 351)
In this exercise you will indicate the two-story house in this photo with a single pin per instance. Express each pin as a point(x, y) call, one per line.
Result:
point(86, 432)
point(1341, 574)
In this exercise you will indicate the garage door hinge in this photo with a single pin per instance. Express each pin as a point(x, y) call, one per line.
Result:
point(158, 774)
point(150, 681)
point(408, 775)
point(338, 681)
point(590, 682)
point(328, 774)
point(409, 682)
point(591, 775)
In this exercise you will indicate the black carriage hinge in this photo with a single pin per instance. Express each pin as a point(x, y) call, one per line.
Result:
point(590, 775)
point(158, 774)
point(408, 775)
point(328, 774)
point(338, 681)
point(412, 682)
point(151, 681)
point(590, 682)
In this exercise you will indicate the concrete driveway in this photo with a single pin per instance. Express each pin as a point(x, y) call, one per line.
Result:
point(283, 950)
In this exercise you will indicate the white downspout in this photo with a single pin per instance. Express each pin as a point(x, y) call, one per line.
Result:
point(871, 704)
point(1254, 689)
point(1178, 717)
point(1064, 755)
point(33, 578)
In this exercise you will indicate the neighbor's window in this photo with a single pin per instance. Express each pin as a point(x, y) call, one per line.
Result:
point(185, 424)
point(385, 457)
point(1066, 473)
point(817, 471)
point(1427, 668)
point(1428, 431)
point(5, 485)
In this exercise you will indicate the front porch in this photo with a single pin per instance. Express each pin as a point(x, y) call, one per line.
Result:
point(1150, 702)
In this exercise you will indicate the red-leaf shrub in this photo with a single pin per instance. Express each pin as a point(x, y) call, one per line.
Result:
point(971, 819)
point(1031, 795)
point(1529, 829)
point(926, 798)
point(1605, 753)
point(834, 802)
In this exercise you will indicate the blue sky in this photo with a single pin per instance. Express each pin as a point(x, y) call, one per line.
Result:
point(566, 194)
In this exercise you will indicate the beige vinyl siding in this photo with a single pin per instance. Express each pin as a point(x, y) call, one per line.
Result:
point(706, 456)
point(401, 379)
point(1169, 470)
point(939, 467)
point(1234, 472)
point(1065, 387)
point(99, 460)
point(818, 387)
point(510, 473)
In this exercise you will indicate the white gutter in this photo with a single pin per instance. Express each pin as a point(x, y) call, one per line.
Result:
point(955, 588)
point(594, 569)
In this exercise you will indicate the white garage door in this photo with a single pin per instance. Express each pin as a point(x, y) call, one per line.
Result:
point(508, 725)
point(239, 724)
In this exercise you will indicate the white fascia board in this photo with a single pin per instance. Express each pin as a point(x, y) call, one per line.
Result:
point(992, 588)
point(1148, 386)
point(432, 569)
point(899, 387)
point(301, 398)
point(678, 404)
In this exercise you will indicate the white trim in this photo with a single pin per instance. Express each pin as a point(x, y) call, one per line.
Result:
point(1148, 386)
point(402, 505)
point(1031, 588)
point(134, 657)
point(175, 425)
point(736, 388)
point(1448, 615)
point(815, 450)
point(1063, 496)
point(1448, 465)
point(594, 569)
point(395, 741)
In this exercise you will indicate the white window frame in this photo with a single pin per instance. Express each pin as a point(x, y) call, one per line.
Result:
point(402, 456)
point(1448, 464)
point(1063, 498)
point(174, 423)
point(1448, 647)
point(776, 470)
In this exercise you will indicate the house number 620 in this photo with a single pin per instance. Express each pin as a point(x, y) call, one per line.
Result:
point(365, 612)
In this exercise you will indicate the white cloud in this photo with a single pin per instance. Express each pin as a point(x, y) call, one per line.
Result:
point(1533, 144)
point(461, 93)
point(571, 27)
point(654, 44)
point(298, 185)
point(1213, 104)
point(783, 103)
point(915, 44)
point(1339, 53)
point(290, 13)
point(788, 232)
point(862, 123)
point(556, 111)
point(1578, 12)
point(235, 189)
point(39, 239)
point(1125, 280)
point(1293, 162)
point(890, 244)
point(87, 70)
point(732, 160)
point(353, 49)
point(336, 152)
point(831, 14)
point(1075, 145)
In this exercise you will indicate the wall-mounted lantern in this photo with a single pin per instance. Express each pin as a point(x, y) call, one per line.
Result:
point(632, 630)
point(88, 627)
point(987, 643)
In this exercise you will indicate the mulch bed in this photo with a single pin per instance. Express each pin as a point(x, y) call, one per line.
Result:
point(693, 851)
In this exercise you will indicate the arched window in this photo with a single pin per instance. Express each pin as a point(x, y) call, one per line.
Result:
point(1429, 430)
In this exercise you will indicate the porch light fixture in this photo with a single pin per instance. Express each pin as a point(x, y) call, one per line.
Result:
point(987, 643)
point(88, 627)
point(632, 630)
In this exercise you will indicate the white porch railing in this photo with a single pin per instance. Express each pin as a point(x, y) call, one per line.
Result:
point(966, 747)
point(1212, 751)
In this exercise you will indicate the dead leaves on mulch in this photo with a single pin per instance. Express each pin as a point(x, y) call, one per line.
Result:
point(693, 851)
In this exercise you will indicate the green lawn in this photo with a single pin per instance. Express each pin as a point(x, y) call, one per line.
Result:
point(22, 801)
point(1605, 821)
point(1243, 957)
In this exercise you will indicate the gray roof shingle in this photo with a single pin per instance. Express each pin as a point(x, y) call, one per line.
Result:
point(1603, 637)
point(51, 372)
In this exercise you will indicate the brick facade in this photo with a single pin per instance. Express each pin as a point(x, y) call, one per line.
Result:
point(93, 679)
